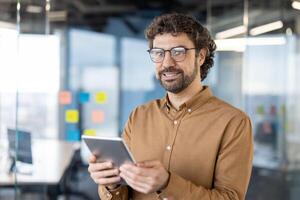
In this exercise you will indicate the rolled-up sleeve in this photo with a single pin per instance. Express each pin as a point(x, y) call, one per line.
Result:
point(232, 170)
point(120, 193)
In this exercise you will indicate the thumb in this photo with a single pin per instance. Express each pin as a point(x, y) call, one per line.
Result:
point(92, 159)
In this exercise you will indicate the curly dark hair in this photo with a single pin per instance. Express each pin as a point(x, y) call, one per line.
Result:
point(175, 24)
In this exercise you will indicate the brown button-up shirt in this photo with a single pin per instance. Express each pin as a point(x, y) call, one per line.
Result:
point(206, 146)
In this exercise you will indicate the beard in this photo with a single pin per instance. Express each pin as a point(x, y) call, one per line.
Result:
point(180, 82)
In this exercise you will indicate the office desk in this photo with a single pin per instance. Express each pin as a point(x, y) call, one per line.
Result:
point(274, 180)
point(50, 160)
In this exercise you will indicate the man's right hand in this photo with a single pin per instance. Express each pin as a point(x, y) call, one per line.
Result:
point(103, 173)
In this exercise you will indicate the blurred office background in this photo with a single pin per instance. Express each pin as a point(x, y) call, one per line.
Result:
point(74, 67)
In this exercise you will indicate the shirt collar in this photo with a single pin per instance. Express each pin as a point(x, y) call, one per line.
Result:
point(192, 104)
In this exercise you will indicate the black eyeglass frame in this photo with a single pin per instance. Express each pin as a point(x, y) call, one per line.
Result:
point(170, 50)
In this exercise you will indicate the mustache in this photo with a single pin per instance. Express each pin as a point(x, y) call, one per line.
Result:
point(170, 69)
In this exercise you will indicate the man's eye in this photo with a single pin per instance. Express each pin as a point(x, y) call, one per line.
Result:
point(158, 53)
point(178, 52)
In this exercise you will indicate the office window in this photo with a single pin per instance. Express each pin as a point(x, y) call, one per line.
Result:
point(35, 74)
point(139, 84)
point(8, 81)
point(93, 72)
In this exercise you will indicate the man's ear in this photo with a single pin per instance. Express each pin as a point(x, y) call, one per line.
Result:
point(202, 55)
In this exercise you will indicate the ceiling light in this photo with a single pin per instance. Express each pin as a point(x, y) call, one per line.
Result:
point(48, 7)
point(57, 15)
point(237, 44)
point(266, 28)
point(34, 9)
point(18, 6)
point(296, 5)
point(231, 32)
point(240, 44)
point(264, 41)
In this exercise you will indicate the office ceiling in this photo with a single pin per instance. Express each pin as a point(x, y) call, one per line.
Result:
point(135, 14)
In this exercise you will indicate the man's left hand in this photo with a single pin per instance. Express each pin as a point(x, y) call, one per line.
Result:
point(145, 177)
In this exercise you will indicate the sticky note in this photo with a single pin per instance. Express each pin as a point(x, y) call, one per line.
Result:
point(73, 135)
point(101, 97)
point(260, 110)
point(97, 116)
point(65, 97)
point(72, 116)
point(282, 110)
point(84, 97)
point(90, 132)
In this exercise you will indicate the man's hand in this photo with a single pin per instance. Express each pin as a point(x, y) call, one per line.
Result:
point(103, 173)
point(145, 177)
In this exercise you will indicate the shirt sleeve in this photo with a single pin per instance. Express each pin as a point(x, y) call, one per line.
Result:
point(128, 129)
point(232, 170)
point(120, 193)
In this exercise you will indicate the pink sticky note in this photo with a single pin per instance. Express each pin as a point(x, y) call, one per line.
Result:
point(98, 116)
point(65, 97)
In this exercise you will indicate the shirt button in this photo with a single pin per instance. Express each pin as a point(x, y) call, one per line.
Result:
point(165, 198)
point(169, 147)
point(189, 110)
point(117, 193)
point(175, 122)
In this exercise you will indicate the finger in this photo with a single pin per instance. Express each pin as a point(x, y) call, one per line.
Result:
point(138, 186)
point(141, 165)
point(92, 159)
point(99, 166)
point(105, 173)
point(106, 181)
point(136, 170)
point(149, 163)
point(134, 177)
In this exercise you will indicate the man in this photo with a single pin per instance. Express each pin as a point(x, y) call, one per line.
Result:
point(190, 144)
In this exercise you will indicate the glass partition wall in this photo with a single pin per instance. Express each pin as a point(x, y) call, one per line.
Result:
point(9, 64)
point(256, 70)
point(67, 70)
point(31, 68)
point(57, 83)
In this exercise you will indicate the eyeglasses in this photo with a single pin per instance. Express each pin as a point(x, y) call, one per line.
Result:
point(157, 55)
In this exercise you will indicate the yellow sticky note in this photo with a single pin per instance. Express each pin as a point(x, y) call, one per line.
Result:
point(101, 97)
point(90, 132)
point(72, 116)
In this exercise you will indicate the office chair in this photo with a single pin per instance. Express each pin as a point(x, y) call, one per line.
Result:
point(76, 181)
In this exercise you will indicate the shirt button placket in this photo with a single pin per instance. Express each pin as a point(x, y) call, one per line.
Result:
point(169, 147)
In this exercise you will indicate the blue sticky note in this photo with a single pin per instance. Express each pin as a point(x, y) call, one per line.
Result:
point(73, 135)
point(84, 97)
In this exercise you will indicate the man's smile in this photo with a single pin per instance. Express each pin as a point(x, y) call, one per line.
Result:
point(170, 76)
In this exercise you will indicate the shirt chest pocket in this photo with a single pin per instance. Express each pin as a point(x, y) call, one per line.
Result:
point(147, 147)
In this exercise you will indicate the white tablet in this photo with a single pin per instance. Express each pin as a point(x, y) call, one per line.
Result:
point(109, 149)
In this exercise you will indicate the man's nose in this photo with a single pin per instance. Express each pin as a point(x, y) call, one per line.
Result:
point(168, 60)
